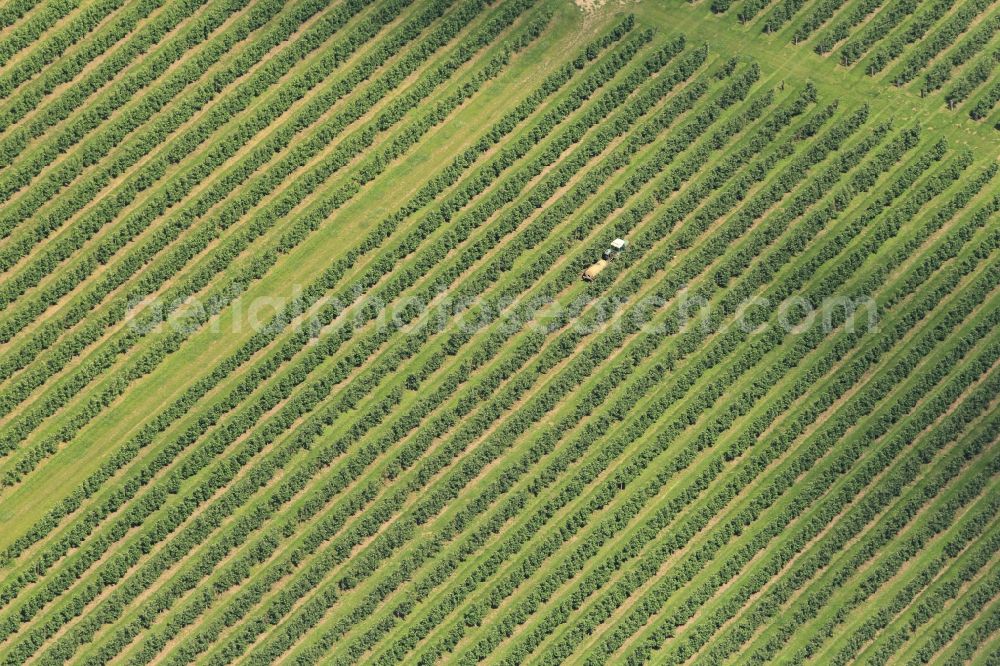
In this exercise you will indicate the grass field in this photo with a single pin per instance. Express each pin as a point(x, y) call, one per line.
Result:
point(297, 364)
